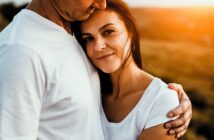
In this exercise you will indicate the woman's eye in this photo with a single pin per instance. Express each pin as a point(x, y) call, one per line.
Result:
point(108, 32)
point(87, 39)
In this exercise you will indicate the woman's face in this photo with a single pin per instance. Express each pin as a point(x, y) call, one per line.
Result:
point(107, 40)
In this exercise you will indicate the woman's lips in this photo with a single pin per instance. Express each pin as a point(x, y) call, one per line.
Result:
point(104, 57)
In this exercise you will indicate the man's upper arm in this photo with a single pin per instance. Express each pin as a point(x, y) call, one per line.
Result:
point(21, 89)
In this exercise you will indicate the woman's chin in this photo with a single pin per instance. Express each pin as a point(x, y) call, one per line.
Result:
point(108, 70)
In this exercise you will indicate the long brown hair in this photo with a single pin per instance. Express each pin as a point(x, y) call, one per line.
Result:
point(122, 9)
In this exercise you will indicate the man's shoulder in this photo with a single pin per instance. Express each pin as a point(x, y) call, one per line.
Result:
point(19, 51)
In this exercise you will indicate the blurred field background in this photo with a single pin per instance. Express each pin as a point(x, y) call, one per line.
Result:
point(177, 45)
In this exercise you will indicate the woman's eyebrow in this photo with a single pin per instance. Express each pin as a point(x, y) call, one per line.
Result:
point(104, 26)
point(86, 34)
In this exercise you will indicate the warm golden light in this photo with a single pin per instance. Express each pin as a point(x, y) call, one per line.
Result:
point(170, 3)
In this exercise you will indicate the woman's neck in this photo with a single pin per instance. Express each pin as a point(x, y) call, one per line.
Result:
point(126, 80)
point(49, 12)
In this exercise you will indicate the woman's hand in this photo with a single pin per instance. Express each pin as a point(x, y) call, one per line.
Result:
point(183, 111)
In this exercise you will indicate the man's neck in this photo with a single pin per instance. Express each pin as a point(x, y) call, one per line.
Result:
point(49, 12)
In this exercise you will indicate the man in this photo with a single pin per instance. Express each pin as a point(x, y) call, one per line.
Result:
point(48, 88)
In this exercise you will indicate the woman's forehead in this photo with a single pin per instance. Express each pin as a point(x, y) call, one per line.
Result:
point(101, 17)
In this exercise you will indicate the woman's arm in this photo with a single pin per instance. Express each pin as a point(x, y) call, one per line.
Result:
point(156, 133)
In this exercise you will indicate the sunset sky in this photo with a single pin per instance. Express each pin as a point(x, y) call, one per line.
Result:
point(162, 3)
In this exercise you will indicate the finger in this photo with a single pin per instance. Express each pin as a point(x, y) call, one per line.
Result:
point(177, 87)
point(179, 90)
point(180, 129)
point(174, 85)
point(181, 134)
point(183, 107)
point(183, 95)
point(183, 119)
point(178, 122)
point(168, 125)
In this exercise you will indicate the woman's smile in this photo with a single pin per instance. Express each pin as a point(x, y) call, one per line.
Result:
point(105, 57)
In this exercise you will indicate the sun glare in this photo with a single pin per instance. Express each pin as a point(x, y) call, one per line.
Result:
point(170, 3)
point(198, 2)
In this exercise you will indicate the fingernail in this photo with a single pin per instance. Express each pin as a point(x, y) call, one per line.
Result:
point(170, 115)
point(168, 125)
point(171, 132)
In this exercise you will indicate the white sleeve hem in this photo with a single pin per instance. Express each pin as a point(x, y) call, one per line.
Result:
point(158, 122)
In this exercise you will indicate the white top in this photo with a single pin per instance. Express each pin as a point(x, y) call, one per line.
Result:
point(151, 110)
point(48, 88)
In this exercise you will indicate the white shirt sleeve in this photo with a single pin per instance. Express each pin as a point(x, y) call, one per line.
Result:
point(21, 88)
point(166, 101)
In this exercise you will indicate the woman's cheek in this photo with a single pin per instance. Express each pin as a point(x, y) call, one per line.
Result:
point(89, 51)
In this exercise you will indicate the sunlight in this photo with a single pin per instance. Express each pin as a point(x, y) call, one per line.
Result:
point(198, 2)
point(170, 3)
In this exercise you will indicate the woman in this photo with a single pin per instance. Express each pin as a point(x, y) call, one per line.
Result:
point(135, 103)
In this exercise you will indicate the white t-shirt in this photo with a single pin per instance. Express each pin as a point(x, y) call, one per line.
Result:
point(48, 88)
point(151, 110)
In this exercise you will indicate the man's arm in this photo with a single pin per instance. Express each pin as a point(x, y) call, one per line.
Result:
point(183, 111)
point(20, 93)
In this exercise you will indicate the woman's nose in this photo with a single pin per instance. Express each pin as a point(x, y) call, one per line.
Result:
point(99, 44)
